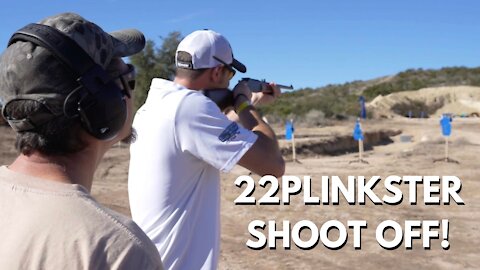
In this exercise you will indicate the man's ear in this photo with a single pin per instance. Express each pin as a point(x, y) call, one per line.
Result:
point(216, 74)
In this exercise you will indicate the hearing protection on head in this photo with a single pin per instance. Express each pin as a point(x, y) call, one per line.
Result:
point(98, 101)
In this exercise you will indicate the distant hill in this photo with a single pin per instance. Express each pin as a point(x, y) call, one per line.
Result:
point(341, 100)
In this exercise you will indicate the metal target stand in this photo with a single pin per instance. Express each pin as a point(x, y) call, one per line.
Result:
point(358, 135)
point(446, 131)
point(360, 154)
point(446, 159)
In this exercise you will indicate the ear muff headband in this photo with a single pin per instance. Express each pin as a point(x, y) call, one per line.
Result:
point(100, 103)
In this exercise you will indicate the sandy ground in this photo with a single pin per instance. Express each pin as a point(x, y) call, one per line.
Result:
point(397, 158)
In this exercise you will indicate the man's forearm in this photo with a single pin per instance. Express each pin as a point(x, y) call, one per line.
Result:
point(250, 119)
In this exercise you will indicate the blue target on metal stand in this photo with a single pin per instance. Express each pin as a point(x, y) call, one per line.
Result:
point(289, 129)
point(357, 132)
point(445, 122)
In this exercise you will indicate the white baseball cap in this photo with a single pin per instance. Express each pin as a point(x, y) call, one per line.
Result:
point(208, 49)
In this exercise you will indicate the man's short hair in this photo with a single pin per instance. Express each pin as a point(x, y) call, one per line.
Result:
point(56, 137)
point(190, 74)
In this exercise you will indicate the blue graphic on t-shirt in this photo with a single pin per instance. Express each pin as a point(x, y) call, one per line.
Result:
point(229, 133)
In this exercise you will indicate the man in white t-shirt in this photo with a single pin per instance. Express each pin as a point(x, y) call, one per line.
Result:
point(185, 140)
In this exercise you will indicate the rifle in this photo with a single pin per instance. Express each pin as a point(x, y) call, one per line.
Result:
point(259, 85)
point(224, 97)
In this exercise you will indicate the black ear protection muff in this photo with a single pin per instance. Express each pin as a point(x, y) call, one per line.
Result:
point(98, 101)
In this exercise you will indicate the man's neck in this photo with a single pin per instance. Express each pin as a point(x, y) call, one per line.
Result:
point(192, 85)
point(77, 168)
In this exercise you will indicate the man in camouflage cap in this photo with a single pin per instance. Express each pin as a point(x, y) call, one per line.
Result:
point(66, 92)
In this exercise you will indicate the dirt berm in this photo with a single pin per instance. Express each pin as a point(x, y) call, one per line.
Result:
point(337, 143)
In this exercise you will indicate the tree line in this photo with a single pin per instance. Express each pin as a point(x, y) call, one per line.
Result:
point(154, 62)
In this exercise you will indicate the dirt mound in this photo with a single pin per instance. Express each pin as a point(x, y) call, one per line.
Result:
point(338, 144)
point(457, 100)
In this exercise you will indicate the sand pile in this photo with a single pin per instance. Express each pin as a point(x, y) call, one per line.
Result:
point(457, 100)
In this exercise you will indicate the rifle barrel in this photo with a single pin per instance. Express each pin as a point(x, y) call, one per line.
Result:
point(285, 86)
point(256, 85)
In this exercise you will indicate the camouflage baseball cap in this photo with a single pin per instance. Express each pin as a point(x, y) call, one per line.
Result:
point(101, 46)
point(30, 72)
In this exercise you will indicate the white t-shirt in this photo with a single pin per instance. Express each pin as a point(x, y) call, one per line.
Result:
point(183, 141)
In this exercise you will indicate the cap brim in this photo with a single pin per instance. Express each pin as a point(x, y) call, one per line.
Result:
point(127, 42)
point(239, 66)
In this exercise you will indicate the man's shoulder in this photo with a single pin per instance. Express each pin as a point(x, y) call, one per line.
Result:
point(195, 104)
point(168, 98)
point(111, 222)
point(121, 235)
point(167, 95)
point(127, 235)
